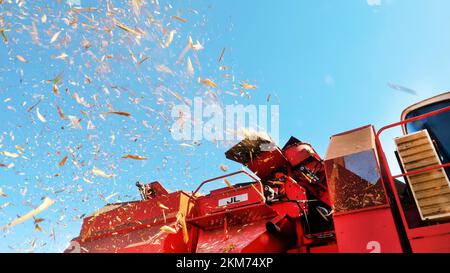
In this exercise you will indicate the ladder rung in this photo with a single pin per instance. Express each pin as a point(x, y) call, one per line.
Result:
point(412, 144)
point(426, 176)
point(420, 164)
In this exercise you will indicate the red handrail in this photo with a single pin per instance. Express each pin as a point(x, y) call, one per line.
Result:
point(192, 196)
point(432, 113)
point(386, 164)
point(225, 176)
point(422, 170)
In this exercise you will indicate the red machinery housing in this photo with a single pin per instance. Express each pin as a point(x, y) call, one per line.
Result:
point(296, 202)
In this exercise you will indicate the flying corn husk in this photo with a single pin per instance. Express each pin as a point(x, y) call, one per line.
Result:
point(55, 89)
point(21, 58)
point(189, 67)
point(223, 168)
point(135, 157)
point(168, 230)
point(137, 5)
point(110, 196)
point(260, 193)
point(221, 55)
point(190, 43)
point(164, 69)
point(34, 33)
point(226, 181)
point(119, 113)
point(193, 46)
point(37, 228)
point(87, 79)
point(2, 31)
point(128, 29)
point(5, 205)
point(60, 112)
point(45, 205)
point(55, 37)
point(57, 79)
point(80, 100)
point(186, 145)
point(162, 206)
point(86, 44)
point(87, 180)
point(75, 122)
point(2, 194)
point(231, 93)
point(90, 125)
point(20, 148)
point(62, 56)
point(63, 161)
point(169, 39)
point(181, 221)
point(197, 46)
point(98, 172)
point(143, 60)
point(179, 19)
point(40, 117)
point(208, 82)
point(248, 86)
point(8, 154)
point(39, 220)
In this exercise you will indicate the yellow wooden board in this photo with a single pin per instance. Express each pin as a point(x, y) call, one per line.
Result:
point(431, 189)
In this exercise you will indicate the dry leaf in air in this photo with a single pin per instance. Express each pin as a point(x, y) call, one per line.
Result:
point(135, 157)
point(248, 86)
point(189, 68)
point(63, 161)
point(40, 116)
point(208, 82)
point(21, 58)
point(45, 205)
point(98, 172)
point(55, 37)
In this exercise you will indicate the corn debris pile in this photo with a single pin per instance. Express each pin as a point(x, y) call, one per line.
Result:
point(86, 91)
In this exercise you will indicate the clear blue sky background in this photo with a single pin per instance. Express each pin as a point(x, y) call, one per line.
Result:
point(326, 63)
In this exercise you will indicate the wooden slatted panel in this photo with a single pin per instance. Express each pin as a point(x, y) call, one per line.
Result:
point(431, 192)
point(431, 189)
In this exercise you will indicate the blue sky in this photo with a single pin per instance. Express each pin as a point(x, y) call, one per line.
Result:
point(328, 64)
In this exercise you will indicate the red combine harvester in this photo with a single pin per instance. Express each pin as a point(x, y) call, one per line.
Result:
point(296, 202)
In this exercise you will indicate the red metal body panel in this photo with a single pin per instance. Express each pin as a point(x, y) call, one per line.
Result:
point(423, 239)
point(360, 232)
point(242, 220)
point(332, 248)
point(210, 203)
point(150, 239)
point(431, 244)
point(131, 216)
point(299, 153)
point(239, 237)
point(238, 216)
point(363, 219)
point(134, 226)
point(267, 162)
